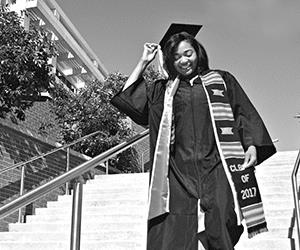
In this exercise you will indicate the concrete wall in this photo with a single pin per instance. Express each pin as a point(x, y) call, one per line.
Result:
point(22, 141)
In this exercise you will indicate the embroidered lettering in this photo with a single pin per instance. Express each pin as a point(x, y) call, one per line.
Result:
point(236, 168)
point(245, 178)
point(248, 193)
point(218, 92)
point(226, 131)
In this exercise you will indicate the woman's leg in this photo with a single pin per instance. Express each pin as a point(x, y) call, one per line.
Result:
point(176, 230)
point(221, 229)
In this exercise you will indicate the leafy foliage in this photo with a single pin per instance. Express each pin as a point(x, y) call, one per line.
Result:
point(151, 75)
point(89, 111)
point(24, 65)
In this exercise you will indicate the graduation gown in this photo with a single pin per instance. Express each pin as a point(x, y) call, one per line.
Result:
point(195, 169)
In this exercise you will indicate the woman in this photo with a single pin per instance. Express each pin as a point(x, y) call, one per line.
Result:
point(197, 180)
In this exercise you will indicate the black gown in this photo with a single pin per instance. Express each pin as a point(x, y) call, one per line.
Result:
point(195, 169)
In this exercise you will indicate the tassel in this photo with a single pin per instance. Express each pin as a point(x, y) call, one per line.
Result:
point(161, 68)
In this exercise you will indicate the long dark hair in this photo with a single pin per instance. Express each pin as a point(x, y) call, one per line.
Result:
point(172, 44)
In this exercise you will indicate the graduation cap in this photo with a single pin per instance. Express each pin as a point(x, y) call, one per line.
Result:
point(175, 28)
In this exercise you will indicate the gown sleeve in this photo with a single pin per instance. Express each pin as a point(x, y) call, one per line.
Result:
point(251, 127)
point(133, 101)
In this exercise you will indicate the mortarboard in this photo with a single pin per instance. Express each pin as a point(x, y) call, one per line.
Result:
point(175, 28)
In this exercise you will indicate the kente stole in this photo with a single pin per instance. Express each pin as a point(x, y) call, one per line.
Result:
point(242, 181)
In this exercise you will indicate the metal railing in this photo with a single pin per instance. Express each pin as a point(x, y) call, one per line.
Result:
point(74, 173)
point(48, 153)
point(41, 156)
point(143, 158)
point(296, 194)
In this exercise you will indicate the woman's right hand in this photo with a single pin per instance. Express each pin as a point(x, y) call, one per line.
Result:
point(150, 51)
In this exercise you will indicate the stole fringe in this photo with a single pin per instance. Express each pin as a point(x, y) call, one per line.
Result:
point(262, 228)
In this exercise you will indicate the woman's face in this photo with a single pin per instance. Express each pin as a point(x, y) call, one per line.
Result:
point(185, 59)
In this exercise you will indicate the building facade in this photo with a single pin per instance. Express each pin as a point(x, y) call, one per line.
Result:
point(75, 66)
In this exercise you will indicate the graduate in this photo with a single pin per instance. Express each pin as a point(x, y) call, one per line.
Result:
point(206, 138)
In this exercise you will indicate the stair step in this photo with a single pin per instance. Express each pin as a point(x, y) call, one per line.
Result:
point(276, 166)
point(274, 182)
point(91, 245)
point(97, 216)
point(138, 200)
point(121, 178)
point(107, 196)
point(93, 189)
point(264, 189)
point(276, 176)
point(35, 245)
point(279, 161)
point(128, 177)
point(98, 203)
point(92, 210)
point(113, 245)
point(277, 232)
point(65, 227)
point(278, 196)
point(273, 212)
point(114, 185)
point(279, 222)
point(65, 236)
point(264, 244)
point(277, 205)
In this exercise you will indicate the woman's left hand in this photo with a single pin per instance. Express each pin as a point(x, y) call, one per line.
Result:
point(250, 157)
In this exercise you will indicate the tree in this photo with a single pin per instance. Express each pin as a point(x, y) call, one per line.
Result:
point(151, 74)
point(88, 111)
point(24, 65)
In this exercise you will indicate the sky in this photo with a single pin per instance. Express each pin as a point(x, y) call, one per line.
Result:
point(258, 41)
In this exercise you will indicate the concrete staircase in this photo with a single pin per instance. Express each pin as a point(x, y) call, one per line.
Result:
point(114, 217)
point(114, 214)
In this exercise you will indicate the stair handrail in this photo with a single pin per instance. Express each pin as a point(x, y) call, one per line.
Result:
point(76, 172)
point(296, 194)
point(49, 153)
point(23, 164)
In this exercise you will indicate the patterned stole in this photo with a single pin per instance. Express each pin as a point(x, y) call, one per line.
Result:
point(242, 181)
